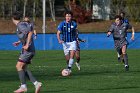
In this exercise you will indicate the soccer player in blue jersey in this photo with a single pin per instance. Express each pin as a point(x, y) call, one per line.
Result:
point(119, 30)
point(124, 20)
point(67, 29)
point(24, 33)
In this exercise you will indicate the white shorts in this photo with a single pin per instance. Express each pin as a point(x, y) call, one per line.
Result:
point(67, 46)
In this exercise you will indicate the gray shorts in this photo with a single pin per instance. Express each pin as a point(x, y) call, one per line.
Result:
point(120, 43)
point(26, 57)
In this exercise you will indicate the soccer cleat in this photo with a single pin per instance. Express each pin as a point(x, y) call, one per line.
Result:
point(38, 87)
point(78, 65)
point(21, 90)
point(126, 68)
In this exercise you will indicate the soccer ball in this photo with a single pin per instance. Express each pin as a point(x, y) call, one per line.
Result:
point(65, 72)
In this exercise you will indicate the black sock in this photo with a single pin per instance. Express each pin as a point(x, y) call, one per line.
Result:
point(69, 67)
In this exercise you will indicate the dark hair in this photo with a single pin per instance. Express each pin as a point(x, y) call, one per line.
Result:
point(16, 15)
point(27, 15)
point(122, 13)
point(118, 16)
point(69, 12)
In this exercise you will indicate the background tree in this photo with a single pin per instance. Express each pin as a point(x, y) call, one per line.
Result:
point(52, 9)
point(133, 7)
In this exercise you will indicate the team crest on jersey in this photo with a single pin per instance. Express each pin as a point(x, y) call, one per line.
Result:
point(124, 27)
point(72, 26)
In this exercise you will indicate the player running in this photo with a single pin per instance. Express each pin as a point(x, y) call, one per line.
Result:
point(119, 31)
point(68, 30)
point(124, 20)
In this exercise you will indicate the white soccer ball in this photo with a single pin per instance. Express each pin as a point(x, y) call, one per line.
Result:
point(65, 72)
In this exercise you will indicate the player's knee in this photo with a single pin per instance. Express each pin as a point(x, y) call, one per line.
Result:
point(19, 67)
point(78, 58)
point(123, 52)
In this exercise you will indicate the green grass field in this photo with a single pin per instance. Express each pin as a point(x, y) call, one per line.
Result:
point(100, 72)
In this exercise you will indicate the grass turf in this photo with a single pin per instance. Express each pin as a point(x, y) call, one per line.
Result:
point(100, 72)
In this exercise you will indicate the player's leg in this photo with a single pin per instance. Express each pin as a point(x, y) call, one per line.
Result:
point(67, 58)
point(119, 53)
point(125, 57)
point(37, 84)
point(71, 60)
point(21, 73)
point(72, 49)
point(66, 52)
point(77, 54)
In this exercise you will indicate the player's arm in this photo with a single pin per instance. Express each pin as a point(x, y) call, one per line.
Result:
point(28, 40)
point(80, 40)
point(58, 37)
point(108, 33)
point(35, 34)
point(133, 33)
point(110, 30)
point(16, 43)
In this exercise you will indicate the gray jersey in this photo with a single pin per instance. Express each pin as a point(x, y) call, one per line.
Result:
point(120, 34)
point(23, 28)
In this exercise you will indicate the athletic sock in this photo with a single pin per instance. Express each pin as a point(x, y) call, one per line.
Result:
point(35, 82)
point(30, 76)
point(125, 59)
point(22, 77)
point(70, 63)
point(23, 86)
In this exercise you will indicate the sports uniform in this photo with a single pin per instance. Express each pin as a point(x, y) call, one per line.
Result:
point(68, 31)
point(23, 28)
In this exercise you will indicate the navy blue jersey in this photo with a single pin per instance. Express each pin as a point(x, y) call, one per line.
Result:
point(125, 21)
point(68, 31)
point(32, 25)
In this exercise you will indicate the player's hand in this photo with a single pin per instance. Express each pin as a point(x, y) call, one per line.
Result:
point(60, 41)
point(35, 36)
point(108, 34)
point(25, 47)
point(82, 41)
point(16, 44)
point(132, 38)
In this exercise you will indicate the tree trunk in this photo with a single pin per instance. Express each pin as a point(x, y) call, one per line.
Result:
point(3, 9)
point(24, 11)
point(51, 2)
point(34, 7)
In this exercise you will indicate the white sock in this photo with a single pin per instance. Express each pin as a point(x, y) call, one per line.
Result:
point(23, 86)
point(118, 54)
point(71, 62)
point(126, 65)
point(35, 82)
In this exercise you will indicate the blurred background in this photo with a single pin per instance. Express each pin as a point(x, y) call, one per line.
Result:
point(92, 16)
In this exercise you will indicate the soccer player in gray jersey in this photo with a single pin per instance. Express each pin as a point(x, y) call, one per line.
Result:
point(24, 34)
point(124, 20)
point(119, 31)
